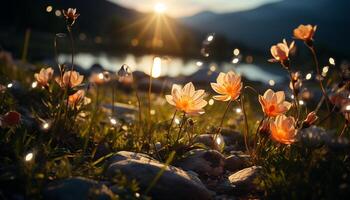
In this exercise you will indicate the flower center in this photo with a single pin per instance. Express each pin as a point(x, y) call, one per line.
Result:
point(272, 108)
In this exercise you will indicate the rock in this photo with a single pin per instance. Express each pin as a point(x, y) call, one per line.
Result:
point(236, 162)
point(127, 155)
point(208, 140)
point(244, 179)
point(174, 183)
point(204, 162)
point(233, 139)
point(77, 188)
point(339, 143)
point(314, 136)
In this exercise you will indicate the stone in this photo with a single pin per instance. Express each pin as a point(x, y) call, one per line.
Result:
point(173, 184)
point(236, 162)
point(203, 162)
point(77, 188)
point(127, 155)
point(208, 140)
point(244, 179)
point(233, 139)
point(314, 136)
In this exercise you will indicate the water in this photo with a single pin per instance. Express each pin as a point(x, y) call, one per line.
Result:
point(170, 66)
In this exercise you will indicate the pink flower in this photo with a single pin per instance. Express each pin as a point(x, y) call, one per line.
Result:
point(11, 118)
point(44, 76)
point(71, 15)
point(70, 79)
point(280, 51)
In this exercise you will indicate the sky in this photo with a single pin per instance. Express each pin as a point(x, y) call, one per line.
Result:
point(182, 8)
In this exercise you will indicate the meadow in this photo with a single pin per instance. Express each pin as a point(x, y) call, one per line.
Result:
point(65, 135)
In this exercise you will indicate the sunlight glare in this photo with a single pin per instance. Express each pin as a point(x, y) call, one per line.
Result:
point(157, 65)
point(159, 8)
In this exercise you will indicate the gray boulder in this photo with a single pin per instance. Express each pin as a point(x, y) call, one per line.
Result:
point(244, 179)
point(210, 141)
point(174, 183)
point(204, 162)
point(77, 188)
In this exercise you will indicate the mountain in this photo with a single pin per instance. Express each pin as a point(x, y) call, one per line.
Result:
point(116, 27)
point(261, 27)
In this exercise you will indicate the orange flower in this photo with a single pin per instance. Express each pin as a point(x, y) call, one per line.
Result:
point(305, 32)
point(283, 129)
point(70, 79)
point(71, 15)
point(280, 51)
point(228, 85)
point(187, 99)
point(76, 98)
point(273, 104)
point(44, 76)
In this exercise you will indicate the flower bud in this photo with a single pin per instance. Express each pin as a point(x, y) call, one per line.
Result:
point(11, 118)
point(311, 118)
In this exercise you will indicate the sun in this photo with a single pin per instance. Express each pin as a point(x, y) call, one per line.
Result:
point(159, 8)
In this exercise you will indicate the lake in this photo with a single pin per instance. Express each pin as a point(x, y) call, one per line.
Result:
point(171, 66)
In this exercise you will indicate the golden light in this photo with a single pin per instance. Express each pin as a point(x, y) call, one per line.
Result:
point(152, 112)
point(45, 125)
point(236, 52)
point(58, 13)
point(211, 102)
point(238, 110)
point(272, 82)
point(212, 68)
point(34, 84)
point(199, 63)
point(301, 102)
point(218, 140)
point(101, 76)
point(159, 8)
point(29, 157)
point(235, 60)
point(210, 38)
point(331, 61)
point(9, 85)
point(113, 121)
point(48, 9)
point(347, 108)
point(308, 76)
point(156, 69)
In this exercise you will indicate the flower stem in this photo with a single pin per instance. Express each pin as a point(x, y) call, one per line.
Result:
point(181, 126)
point(149, 105)
point(343, 129)
point(296, 99)
point(312, 49)
point(245, 122)
point(69, 29)
point(171, 123)
point(222, 119)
